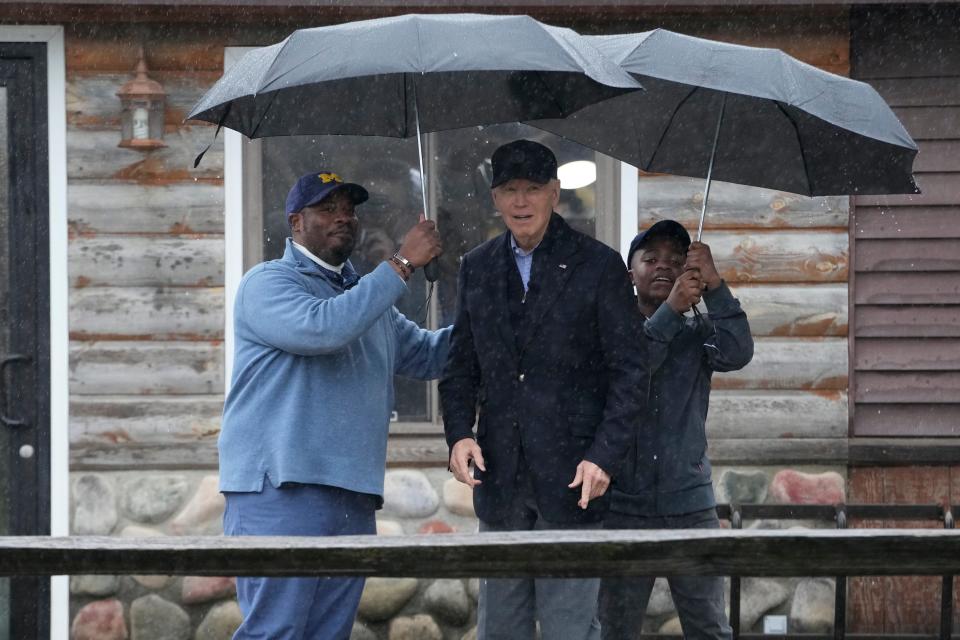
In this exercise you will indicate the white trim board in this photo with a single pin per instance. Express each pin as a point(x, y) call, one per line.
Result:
point(59, 301)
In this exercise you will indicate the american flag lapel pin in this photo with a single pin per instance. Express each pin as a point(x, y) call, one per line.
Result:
point(563, 266)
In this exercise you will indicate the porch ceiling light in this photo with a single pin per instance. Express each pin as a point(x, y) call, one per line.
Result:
point(144, 102)
point(577, 174)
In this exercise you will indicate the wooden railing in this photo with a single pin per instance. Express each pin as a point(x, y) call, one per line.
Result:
point(735, 552)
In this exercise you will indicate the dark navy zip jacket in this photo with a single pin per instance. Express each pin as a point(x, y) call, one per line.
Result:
point(667, 471)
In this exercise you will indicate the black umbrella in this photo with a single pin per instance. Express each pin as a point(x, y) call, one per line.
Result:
point(745, 115)
point(405, 75)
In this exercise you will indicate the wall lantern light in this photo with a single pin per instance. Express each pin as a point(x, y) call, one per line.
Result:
point(144, 102)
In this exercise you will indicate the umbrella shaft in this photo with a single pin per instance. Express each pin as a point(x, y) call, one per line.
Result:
point(423, 175)
point(713, 155)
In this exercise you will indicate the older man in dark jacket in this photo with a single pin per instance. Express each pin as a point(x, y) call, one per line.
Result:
point(545, 346)
point(665, 482)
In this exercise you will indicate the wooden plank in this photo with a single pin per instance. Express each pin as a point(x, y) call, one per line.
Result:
point(919, 92)
point(785, 363)
point(866, 608)
point(499, 554)
point(901, 451)
point(171, 455)
point(146, 368)
point(146, 313)
point(907, 420)
point(777, 414)
point(735, 206)
point(813, 310)
point(931, 123)
point(94, 155)
point(908, 255)
point(907, 354)
point(908, 387)
point(907, 222)
point(937, 189)
point(907, 288)
point(902, 42)
point(131, 261)
point(109, 421)
point(875, 321)
point(92, 101)
point(939, 155)
point(112, 207)
point(787, 257)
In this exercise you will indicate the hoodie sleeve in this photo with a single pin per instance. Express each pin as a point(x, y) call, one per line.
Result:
point(729, 346)
point(277, 310)
point(421, 354)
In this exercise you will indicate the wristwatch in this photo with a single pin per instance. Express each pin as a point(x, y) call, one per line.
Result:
point(406, 263)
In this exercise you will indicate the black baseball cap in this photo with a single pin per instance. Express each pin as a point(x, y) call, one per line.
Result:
point(311, 188)
point(662, 229)
point(523, 159)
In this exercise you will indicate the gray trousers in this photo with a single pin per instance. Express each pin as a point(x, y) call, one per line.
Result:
point(510, 608)
point(698, 599)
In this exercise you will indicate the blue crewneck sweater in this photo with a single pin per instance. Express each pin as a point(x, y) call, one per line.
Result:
point(312, 386)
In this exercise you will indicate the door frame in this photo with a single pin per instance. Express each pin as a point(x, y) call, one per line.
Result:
point(59, 499)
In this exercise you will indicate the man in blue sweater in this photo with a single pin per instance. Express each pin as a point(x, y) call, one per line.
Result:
point(304, 438)
point(665, 480)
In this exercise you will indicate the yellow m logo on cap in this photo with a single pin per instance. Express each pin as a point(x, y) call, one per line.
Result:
point(329, 177)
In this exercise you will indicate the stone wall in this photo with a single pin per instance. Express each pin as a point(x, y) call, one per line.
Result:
point(416, 501)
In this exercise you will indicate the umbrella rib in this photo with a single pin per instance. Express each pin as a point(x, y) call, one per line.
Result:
point(273, 96)
point(553, 97)
point(663, 134)
point(803, 155)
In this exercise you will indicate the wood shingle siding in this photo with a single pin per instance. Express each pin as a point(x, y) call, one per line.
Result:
point(906, 249)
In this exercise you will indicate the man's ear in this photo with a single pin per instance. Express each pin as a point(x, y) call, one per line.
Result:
point(556, 192)
point(295, 220)
point(630, 273)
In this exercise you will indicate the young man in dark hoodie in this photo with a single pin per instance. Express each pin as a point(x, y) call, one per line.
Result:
point(665, 482)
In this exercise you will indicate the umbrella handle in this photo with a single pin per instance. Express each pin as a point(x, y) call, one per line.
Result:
point(431, 270)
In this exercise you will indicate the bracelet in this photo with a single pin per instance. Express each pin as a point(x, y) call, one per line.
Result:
point(403, 261)
point(405, 272)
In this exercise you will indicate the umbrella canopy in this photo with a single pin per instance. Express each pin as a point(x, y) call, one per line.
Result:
point(376, 77)
point(754, 116)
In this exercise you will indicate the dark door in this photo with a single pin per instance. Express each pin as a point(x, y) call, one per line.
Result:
point(24, 327)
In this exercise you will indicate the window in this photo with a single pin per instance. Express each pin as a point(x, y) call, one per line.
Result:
point(458, 179)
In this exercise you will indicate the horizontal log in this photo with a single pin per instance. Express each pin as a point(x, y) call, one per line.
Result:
point(125, 261)
point(909, 255)
point(177, 49)
point(105, 421)
point(907, 222)
point(146, 368)
point(919, 92)
point(805, 310)
point(773, 451)
point(909, 386)
point(94, 155)
point(734, 206)
point(790, 363)
point(92, 100)
point(146, 313)
point(501, 554)
point(931, 123)
point(907, 288)
point(877, 321)
point(120, 207)
point(942, 188)
point(912, 354)
point(905, 420)
point(738, 414)
point(787, 257)
point(776, 414)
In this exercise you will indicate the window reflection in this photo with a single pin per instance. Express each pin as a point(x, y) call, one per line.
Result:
point(458, 186)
